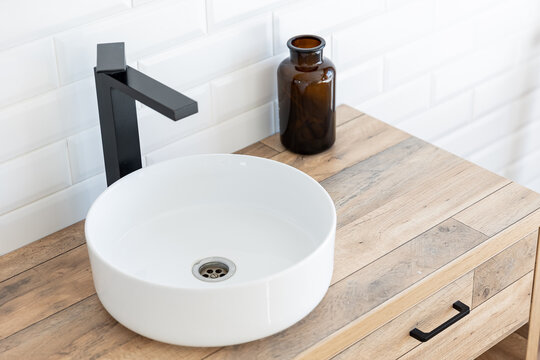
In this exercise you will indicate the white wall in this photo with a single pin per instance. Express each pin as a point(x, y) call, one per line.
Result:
point(463, 74)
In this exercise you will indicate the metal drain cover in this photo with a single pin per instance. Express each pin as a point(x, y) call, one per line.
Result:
point(213, 269)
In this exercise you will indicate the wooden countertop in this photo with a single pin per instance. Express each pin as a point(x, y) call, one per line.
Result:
point(410, 216)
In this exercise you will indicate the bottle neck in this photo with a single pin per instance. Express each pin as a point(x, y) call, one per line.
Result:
point(306, 50)
point(306, 58)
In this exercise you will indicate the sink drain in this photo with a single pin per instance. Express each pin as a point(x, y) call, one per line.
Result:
point(213, 269)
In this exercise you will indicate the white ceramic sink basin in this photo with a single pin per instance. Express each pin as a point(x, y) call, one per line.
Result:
point(260, 231)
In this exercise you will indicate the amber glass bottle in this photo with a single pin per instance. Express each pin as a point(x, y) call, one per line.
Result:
point(307, 96)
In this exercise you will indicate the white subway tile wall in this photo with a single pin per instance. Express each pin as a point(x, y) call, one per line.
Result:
point(450, 115)
point(319, 16)
point(471, 69)
point(156, 130)
point(200, 60)
point(228, 136)
point(398, 103)
point(49, 17)
point(63, 208)
point(360, 82)
point(146, 29)
point(464, 74)
point(85, 154)
point(418, 57)
point(33, 176)
point(27, 70)
point(51, 116)
point(380, 33)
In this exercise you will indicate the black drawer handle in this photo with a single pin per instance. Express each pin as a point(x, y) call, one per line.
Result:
point(463, 309)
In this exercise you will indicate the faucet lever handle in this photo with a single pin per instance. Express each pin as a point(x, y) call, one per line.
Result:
point(111, 58)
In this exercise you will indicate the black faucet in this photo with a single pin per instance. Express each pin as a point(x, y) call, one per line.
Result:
point(117, 87)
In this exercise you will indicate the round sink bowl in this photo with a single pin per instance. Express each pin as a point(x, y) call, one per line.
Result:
point(212, 250)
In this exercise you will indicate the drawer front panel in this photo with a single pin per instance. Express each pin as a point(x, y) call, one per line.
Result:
point(392, 340)
point(487, 324)
point(504, 269)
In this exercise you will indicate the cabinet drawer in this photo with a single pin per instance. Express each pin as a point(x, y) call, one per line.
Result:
point(486, 325)
point(485, 282)
point(393, 340)
point(504, 269)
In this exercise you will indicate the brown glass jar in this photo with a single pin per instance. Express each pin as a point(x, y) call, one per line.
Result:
point(307, 97)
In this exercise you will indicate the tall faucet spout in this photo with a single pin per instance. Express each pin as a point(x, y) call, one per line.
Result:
point(117, 87)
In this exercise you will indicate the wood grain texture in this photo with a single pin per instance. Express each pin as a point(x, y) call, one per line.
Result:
point(87, 331)
point(274, 142)
point(500, 210)
point(534, 323)
point(345, 113)
point(142, 348)
point(44, 290)
point(369, 184)
point(512, 347)
point(359, 139)
point(504, 312)
point(258, 149)
point(369, 322)
point(393, 340)
point(40, 251)
point(363, 291)
point(404, 217)
point(504, 269)
point(393, 193)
